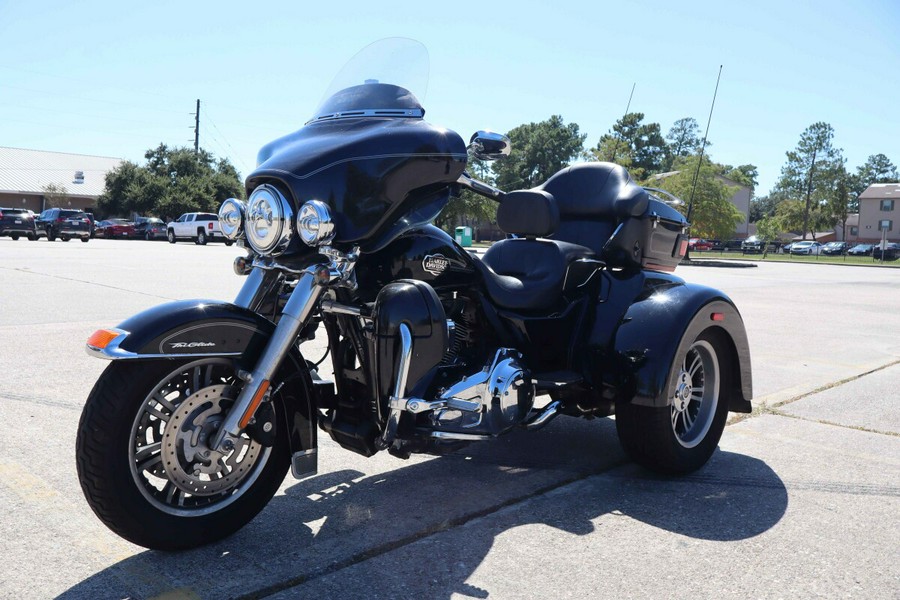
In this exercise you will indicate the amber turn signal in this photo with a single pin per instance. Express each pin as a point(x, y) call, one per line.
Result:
point(101, 338)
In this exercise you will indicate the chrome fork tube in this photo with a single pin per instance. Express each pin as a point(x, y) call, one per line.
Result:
point(255, 288)
point(296, 312)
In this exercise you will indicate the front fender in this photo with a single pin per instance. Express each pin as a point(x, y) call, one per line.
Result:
point(191, 329)
point(659, 325)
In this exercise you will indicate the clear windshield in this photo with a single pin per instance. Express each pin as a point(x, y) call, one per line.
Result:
point(386, 78)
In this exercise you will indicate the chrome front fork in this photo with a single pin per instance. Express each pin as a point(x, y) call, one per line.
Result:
point(300, 306)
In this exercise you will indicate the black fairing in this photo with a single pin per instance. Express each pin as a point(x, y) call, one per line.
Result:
point(380, 176)
point(427, 254)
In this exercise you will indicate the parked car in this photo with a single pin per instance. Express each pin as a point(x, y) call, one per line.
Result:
point(861, 250)
point(93, 221)
point(835, 248)
point(731, 245)
point(115, 229)
point(806, 247)
point(754, 245)
point(149, 228)
point(699, 244)
point(200, 227)
point(890, 251)
point(16, 222)
point(63, 223)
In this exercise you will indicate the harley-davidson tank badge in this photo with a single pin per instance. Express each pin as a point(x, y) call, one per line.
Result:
point(436, 263)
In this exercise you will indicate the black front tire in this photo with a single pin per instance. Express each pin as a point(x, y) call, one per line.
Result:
point(170, 235)
point(680, 438)
point(51, 236)
point(14, 236)
point(124, 470)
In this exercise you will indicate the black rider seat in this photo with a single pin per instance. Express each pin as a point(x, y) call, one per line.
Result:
point(527, 273)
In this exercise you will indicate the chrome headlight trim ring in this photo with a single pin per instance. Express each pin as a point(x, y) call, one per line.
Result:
point(268, 225)
point(232, 214)
point(314, 224)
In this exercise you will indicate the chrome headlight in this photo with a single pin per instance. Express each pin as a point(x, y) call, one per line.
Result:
point(268, 221)
point(231, 218)
point(314, 224)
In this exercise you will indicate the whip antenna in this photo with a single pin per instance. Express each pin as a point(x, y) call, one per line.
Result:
point(702, 148)
point(627, 107)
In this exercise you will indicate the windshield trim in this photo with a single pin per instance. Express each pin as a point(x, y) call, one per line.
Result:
point(410, 113)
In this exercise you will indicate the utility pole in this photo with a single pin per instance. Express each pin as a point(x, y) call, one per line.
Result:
point(197, 129)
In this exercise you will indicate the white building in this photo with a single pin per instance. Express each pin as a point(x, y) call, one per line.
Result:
point(25, 174)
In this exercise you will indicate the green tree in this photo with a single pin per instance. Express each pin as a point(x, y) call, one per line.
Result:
point(174, 181)
point(745, 174)
point(55, 196)
point(767, 229)
point(643, 142)
point(809, 171)
point(838, 198)
point(538, 151)
point(713, 214)
point(684, 140)
point(763, 206)
point(877, 169)
point(609, 148)
point(470, 208)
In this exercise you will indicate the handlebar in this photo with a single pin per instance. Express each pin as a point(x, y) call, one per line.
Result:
point(483, 189)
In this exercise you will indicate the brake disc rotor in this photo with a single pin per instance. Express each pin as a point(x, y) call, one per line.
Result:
point(187, 459)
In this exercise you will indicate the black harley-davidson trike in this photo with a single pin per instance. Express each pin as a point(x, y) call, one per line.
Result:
point(205, 404)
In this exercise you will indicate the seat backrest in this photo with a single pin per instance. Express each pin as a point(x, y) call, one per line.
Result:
point(592, 199)
point(528, 213)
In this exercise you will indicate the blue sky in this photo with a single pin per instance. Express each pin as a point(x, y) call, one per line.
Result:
point(97, 77)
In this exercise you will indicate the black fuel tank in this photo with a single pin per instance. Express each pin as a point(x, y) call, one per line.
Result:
point(427, 254)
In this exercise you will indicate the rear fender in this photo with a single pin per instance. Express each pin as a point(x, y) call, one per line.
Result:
point(210, 328)
point(658, 327)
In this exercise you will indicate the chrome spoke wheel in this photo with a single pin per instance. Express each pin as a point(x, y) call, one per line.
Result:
point(171, 462)
point(696, 394)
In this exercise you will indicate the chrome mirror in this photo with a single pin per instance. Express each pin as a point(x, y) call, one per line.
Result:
point(488, 145)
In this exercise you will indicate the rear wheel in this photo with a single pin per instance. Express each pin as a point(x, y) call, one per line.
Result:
point(681, 437)
point(14, 236)
point(64, 238)
point(201, 237)
point(50, 235)
point(85, 239)
point(144, 462)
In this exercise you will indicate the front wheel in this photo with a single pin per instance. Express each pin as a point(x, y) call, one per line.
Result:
point(170, 235)
point(144, 462)
point(681, 437)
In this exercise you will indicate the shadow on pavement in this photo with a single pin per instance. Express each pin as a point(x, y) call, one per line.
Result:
point(339, 519)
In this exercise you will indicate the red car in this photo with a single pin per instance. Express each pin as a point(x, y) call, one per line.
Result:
point(699, 244)
point(114, 228)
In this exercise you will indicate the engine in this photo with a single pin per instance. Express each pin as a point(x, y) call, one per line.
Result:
point(486, 403)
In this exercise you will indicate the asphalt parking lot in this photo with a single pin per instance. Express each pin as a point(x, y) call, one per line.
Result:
point(801, 499)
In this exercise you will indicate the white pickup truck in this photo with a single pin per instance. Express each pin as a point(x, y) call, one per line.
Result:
point(200, 227)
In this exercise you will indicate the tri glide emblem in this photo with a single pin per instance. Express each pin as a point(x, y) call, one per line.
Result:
point(192, 344)
point(435, 263)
